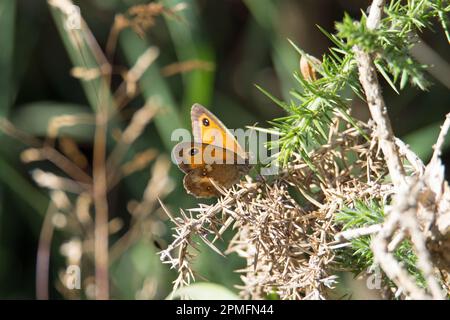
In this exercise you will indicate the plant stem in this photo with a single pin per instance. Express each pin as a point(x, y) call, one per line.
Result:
point(369, 81)
point(43, 255)
point(101, 208)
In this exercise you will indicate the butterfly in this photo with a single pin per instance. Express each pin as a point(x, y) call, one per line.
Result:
point(213, 158)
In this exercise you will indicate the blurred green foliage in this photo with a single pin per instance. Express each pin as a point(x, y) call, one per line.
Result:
point(247, 43)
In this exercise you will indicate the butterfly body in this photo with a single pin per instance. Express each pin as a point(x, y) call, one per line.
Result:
point(215, 156)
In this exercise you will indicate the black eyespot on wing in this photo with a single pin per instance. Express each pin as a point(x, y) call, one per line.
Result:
point(205, 122)
point(193, 151)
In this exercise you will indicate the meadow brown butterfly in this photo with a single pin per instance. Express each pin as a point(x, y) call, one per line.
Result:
point(214, 155)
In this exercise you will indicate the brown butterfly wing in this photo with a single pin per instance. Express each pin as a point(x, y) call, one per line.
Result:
point(188, 156)
point(203, 163)
point(198, 185)
point(208, 129)
point(198, 181)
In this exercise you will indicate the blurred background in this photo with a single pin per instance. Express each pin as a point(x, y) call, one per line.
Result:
point(210, 52)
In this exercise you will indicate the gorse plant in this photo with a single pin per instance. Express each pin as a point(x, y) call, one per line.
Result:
point(359, 208)
point(397, 33)
point(314, 103)
point(310, 112)
point(359, 257)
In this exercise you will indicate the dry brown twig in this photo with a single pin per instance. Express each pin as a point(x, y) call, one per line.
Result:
point(271, 228)
point(404, 213)
point(369, 81)
point(289, 248)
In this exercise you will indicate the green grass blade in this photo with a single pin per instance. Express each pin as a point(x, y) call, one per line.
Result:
point(35, 117)
point(14, 181)
point(84, 52)
point(285, 59)
point(152, 84)
point(7, 31)
point(190, 44)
